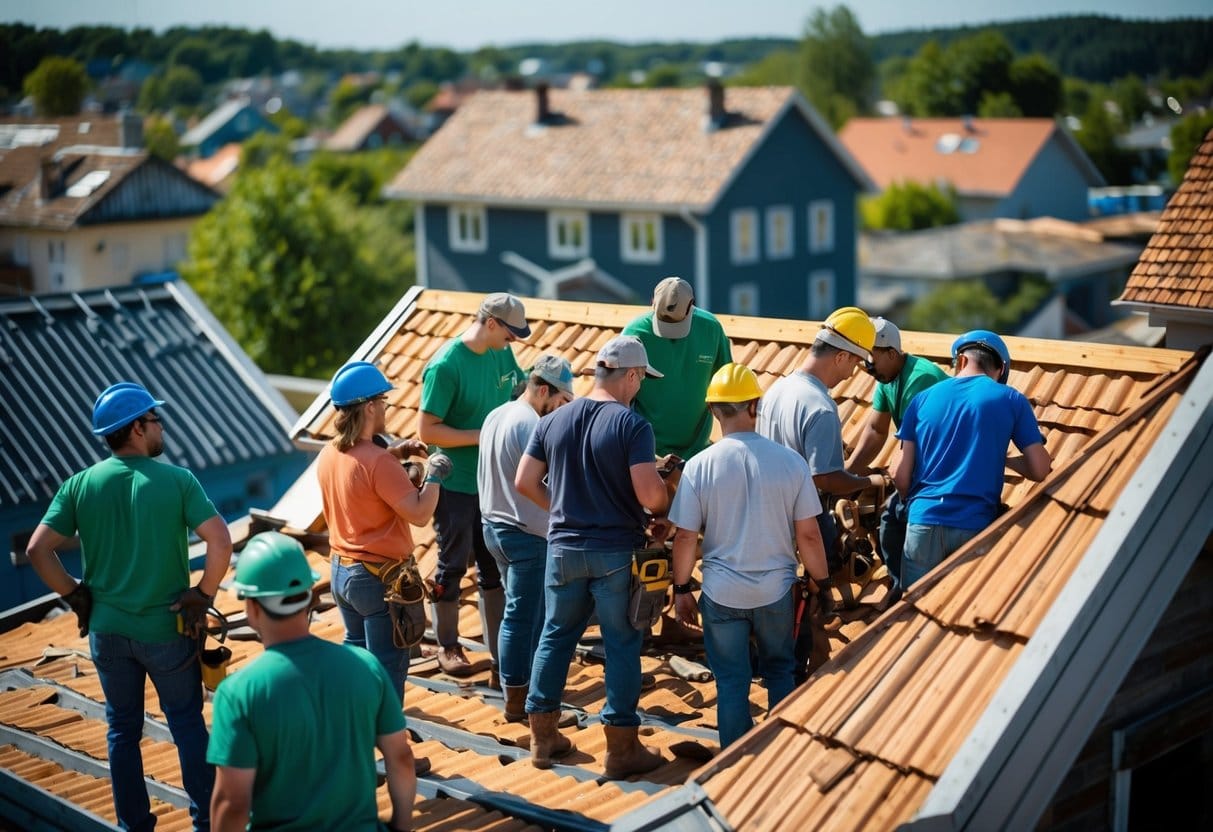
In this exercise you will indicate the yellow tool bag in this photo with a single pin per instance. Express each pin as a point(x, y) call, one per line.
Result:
point(214, 660)
point(652, 575)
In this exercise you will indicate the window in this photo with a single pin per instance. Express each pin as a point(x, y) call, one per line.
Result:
point(56, 251)
point(641, 238)
point(743, 299)
point(821, 294)
point(780, 244)
point(745, 236)
point(467, 228)
point(821, 226)
point(568, 234)
point(174, 249)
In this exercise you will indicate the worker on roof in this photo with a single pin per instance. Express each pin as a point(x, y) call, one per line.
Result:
point(515, 528)
point(954, 441)
point(797, 411)
point(689, 344)
point(133, 514)
point(899, 378)
point(749, 555)
point(369, 503)
point(597, 457)
point(295, 730)
point(465, 380)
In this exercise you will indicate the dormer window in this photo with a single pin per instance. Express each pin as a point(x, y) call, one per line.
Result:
point(467, 228)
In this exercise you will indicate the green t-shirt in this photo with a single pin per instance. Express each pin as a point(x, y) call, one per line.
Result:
point(674, 404)
point(916, 375)
point(461, 388)
point(133, 515)
point(305, 715)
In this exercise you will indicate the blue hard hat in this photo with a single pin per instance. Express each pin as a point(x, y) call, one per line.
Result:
point(119, 405)
point(356, 382)
point(991, 342)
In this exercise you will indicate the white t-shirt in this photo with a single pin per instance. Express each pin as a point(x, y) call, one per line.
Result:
point(503, 437)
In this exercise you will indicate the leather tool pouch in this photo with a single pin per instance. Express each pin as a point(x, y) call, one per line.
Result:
point(652, 574)
point(214, 660)
point(404, 592)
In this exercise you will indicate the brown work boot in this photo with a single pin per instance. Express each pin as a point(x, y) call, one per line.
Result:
point(453, 662)
point(547, 743)
point(421, 766)
point(515, 702)
point(625, 755)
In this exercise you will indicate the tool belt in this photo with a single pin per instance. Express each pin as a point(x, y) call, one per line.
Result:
point(652, 575)
point(405, 594)
point(214, 660)
point(376, 568)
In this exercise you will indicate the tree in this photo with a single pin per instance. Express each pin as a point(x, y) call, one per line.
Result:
point(296, 273)
point(926, 89)
point(961, 305)
point(998, 105)
point(58, 86)
point(1098, 139)
point(909, 206)
point(836, 67)
point(1035, 86)
point(1186, 136)
point(160, 138)
point(978, 64)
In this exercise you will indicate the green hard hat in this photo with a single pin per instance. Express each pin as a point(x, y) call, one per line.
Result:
point(272, 564)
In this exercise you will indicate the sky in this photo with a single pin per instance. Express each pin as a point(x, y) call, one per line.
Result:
point(468, 24)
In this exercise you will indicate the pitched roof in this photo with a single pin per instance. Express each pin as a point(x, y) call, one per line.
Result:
point(621, 148)
point(217, 167)
point(979, 156)
point(55, 133)
point(353, 132)
point(97, 184)
point(60, 351)
point(1176, 269)
point(214, 120)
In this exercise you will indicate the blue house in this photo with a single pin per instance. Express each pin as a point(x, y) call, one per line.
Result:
point(598, 194)
point(232, 121)
point(223, 420)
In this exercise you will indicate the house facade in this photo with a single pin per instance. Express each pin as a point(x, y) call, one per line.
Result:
point(232, 121)
point(598, 194)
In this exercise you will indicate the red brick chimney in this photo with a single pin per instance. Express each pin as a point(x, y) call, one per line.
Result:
point(715, 111)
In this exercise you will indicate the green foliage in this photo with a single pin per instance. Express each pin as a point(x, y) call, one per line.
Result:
point(779, 69)
point(58, 86)
point(361, 176)
point(160, 138)
point(1132, 100)
point(264, 149)
point(345, 98)
point(665, 75)
point(419, 93)
point(1035, 86)
point(926, 88)
point(1097, 136)
point(178, 87)
point(961, 305)
point(1186, 136)
point(998, 105)
point(288, 124)
point(296, 273)
point(836, 67)
point(909, 206)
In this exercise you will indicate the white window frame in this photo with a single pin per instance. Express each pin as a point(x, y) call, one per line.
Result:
point(558, 220)
point(736, 219)
point(816, 278)
point(780, 215)
point(743, 299)
point(820, 243)
point(644, 254)
point(469, 214)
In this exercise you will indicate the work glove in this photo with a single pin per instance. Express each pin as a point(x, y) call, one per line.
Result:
point(825, 599)
point(192, 606)
point(80, 600)
point(438, 468)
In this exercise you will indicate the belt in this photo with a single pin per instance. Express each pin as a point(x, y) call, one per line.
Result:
point(374, 568)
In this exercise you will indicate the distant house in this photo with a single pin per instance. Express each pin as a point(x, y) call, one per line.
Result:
point(1018, 168)
point(218, 170)
point(598, 194)
point(369, 128)
point(232, 121)
point(224, 420)
point(75, 216)
point(1173, 281)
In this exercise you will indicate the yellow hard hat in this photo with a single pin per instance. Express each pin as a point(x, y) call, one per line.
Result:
point(853, 324)
point(733, 383)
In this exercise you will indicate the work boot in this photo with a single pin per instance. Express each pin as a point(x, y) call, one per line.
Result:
point(494, 678)
point(453, 662)
point(515, 702)
point(421, 766)
point(492, 610)
point(547, 743)
point(625, 755)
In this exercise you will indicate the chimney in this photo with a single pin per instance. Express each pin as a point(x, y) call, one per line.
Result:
point(130, 129)
point(543, 111)
point(715, 113)
point(968, 125)
point(50, 178)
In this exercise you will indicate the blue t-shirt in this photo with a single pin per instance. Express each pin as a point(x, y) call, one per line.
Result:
point(589, 447)
point(960, 429)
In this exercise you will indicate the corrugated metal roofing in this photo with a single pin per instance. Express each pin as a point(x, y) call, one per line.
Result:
point(59, 352)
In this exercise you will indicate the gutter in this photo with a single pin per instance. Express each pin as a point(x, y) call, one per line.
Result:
point(703, 293)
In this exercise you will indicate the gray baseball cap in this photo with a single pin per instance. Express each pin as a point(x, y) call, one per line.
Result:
point(509, 310)
point(626, 351)
point(672, 300)
point(887, 334)
point(556, 371)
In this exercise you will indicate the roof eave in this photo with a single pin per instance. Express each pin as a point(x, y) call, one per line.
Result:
point(536, 204)
point(1170, 312)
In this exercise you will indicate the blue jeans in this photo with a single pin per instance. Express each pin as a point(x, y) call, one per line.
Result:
point(123, 666)
point(893, 536)
point(928, 546)
point(578, 584)
point(359, 596)
point(521, 558)
point(726, 638)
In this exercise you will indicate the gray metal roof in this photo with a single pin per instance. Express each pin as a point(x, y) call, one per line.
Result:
point(58, 352)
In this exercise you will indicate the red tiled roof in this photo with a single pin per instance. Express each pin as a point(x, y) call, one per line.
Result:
point(1176, 269)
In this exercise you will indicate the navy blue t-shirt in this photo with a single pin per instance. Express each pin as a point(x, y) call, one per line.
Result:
point(589, 447)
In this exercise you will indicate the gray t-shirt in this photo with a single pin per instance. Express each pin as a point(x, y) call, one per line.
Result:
point(797, 412)
point(745, 493)
point(503, 437)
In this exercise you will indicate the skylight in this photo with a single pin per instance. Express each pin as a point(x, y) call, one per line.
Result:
point(88, 183)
